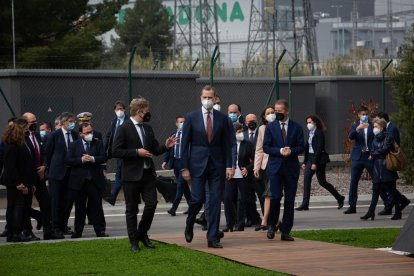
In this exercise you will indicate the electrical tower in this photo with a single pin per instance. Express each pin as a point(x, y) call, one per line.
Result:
point(310, 36)
point(389, 28)
point(354, 20)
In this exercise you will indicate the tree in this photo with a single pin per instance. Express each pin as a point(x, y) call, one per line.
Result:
point(402, 82)
point(56, 34)
point(146, 27)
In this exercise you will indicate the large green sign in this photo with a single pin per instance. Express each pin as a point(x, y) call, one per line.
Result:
point(224, 13)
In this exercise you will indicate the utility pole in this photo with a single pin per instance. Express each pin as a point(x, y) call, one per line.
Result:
point(295, 50)
point(354, 19)
point(337, 27)
point(389, 27)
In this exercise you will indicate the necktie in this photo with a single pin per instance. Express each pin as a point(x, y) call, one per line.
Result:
point(88, 148)
point(67, 139)
point(284, 133)
point(36, 150)
point(147, 163)
point(177, 153)
point(251, 137)
point(209, 127)
point(118, 123)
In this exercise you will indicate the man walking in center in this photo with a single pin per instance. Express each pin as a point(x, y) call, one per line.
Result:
point(207, 159)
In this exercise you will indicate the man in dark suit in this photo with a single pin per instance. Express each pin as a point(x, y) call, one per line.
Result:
point(135, 143)
point(361, 134)
point(58, 172)
point(393, 131)
point(283, 141)
point(172, 158)
point(87, 180)
point(86, 117)
point(121, 117)
point(207, 159)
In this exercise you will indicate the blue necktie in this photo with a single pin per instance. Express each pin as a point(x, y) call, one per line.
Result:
point(177, 153)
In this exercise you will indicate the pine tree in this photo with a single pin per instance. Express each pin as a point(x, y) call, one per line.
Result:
point(402, 83)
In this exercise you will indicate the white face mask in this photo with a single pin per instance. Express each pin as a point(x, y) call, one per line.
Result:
point(271, 117)
point(217, 107)
point(207, 104)
point(376, 130)
point(88, 137)
point(120, 113)
point(239, 136)
point(311, 127)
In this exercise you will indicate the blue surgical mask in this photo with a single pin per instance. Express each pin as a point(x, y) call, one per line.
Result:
point(180, 125)
point(42, 133)
point(71, 126)
point(233, 117)
point(364, 118)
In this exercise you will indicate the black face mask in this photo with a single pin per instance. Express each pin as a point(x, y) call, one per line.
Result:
point(33, 127)
point(147, 117)
point(252, 125)
point(280, 116)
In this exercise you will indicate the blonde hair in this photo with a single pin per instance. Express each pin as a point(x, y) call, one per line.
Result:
point(381, 122)
point(138, 104)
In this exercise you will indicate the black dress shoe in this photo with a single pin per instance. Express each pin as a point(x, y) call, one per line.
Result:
point(396, 216)
point(4, 233)
point(341, 202)
point(228, 229)
point(249, 223)
point(239, 228)
point(76, 235)
point(171, 212)
point(405, 204)
point(350, 210)
point(134, 246)
point(302, 208)
point(52, 235)
point(32, 236)
point(21, 238)
point(271, 233)
point(286, 237)
point(204, 228)
point(220, 235)
point(214, 244)
point(385, 212)
point(102, 234)
point(188, 233)
point(110, 200)
point(67, 231)
point(201, 221)
point(145, 240)
point(368, 216)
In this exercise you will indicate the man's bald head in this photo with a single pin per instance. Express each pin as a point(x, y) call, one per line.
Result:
point(233, 108)
point(251, 118)
point(29, 116)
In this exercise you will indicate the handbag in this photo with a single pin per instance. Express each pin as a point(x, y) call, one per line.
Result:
point(395, 159)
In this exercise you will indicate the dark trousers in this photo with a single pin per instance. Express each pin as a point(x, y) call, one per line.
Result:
point(61, 205)
point(284, 181)
point(383, 186)
point(182, 187)
point(321, 176)
point(93, 196)
point(42, 197)
point(214, 180)
point(133, 191)
point(357, 168)
point(393, 196)
point(16, 211)
point(118, 180)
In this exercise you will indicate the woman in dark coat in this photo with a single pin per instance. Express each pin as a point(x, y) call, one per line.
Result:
point(16, 177)
point(382, 178)
point(315, 161)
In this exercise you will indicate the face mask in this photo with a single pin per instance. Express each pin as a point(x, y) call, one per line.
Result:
point(252, 125)
point(207, 104)
point(233, 117)
point(42, 133)
point(311, 127)
point(120, 113)
point(33, 127)
point(376, 130)
point(239, 136)
point(147, 117)
point(271, 117)
point(88, 137)
point(217, 107)
point(280, 116)
point(364, 118)
point(71, 126)
point(180, 125)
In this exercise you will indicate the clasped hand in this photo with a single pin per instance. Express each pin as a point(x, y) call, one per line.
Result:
point(286, 151)
point(86, 158)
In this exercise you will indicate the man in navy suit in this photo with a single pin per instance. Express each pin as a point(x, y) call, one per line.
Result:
point(173, 157)
point(58, 172)
point(207, 159)
point(283, 141)
point(87, 180)
point(361, 134)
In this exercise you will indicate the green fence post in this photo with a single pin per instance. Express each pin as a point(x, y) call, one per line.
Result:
point(7, 102)
point(213, 61)
point(276, 83)
point(383, 84)
point(129, 74)
point(290, 87)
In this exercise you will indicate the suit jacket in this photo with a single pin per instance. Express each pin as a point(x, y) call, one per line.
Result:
point(41, 147)
point(318, 145)
point(394, 132)
point(246, 136)
point(273, 142)
point(245, 155)
point(169, 155)
point(125, 146)
point(260, 157)
point(56, 154)
point(79, 171)
point(19, 168)
point(110, 135)
point(196, 151)
point(359, 140)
